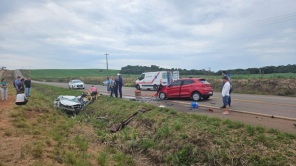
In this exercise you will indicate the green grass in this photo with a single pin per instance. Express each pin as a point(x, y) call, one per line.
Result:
point(68, 73)
point(161, 136)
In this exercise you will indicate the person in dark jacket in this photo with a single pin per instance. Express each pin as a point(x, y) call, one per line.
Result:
point(115, 87)
point(28, 87)
point(16, 83)
point(120, 84)
point(21, 86)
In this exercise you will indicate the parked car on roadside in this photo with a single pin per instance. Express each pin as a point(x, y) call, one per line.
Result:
point(194, 88)
point(76, 84)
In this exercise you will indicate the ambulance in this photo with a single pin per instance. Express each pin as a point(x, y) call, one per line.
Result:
point(152, 80)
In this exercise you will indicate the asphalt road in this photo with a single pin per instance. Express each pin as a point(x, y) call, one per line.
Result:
point(262, 104)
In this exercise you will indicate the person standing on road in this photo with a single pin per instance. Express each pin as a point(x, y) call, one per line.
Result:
point(230, 92)
point(115, 87)
point(120, 84)
point(16, 83)
point(111, 86)
point(226, 95)
point(4, 89)
point(108, 86)
point(28, 87)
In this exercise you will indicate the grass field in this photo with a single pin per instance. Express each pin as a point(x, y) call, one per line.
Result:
point(73, 73)
point(159, 137)
point(69, 73)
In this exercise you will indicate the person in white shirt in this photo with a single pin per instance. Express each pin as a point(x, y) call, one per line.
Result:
point(21, 99)
point(226, 95)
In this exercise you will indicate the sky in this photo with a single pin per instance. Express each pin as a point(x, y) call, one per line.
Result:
point(190, 34)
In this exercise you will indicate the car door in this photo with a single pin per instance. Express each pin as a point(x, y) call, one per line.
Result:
point(187, 88)
point(174, 89)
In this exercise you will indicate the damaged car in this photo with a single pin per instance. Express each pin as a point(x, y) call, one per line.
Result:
point(71, 103)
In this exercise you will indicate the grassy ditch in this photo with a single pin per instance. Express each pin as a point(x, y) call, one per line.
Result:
point(159, 137)
point(166, 137)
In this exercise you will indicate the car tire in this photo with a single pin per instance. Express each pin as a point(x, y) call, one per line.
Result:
point(206, 97)
point(162, 96)
point(196, 96)
point(155, 87)
point(138, 87)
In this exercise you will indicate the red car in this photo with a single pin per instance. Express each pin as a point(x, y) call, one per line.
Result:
point(194, 88)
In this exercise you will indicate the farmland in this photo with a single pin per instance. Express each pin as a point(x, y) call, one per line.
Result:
point(161, 136)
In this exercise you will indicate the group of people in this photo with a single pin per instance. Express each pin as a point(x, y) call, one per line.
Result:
point(114, 86)
point(23, 90)
point(226, 92)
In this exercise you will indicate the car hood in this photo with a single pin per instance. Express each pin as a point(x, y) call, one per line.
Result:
point(69, 100)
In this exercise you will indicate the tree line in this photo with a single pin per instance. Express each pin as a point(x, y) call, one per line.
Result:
point(263, 70)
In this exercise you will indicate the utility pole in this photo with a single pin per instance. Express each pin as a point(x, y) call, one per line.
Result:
point(107, 61)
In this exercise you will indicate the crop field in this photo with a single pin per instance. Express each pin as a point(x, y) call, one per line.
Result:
point(73, 73)
point(68, 73)
point(161, 136)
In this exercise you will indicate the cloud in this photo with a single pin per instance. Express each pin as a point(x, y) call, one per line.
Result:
point(175, 34)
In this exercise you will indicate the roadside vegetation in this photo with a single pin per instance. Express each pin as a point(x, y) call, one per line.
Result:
point(161, 136)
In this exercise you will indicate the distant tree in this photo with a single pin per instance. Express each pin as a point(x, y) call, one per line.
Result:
point(264, 70)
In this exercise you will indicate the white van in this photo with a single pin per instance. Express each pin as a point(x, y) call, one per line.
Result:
point(152, 80)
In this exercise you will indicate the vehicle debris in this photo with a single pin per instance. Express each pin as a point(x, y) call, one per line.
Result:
point(117, 127)
point(73, 104)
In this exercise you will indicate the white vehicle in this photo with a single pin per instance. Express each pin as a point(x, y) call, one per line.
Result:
point(152, 80)
point(71, 103)
point(76, 84)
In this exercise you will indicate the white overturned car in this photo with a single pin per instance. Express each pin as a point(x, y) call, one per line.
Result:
point(71, 103)
point(76, 84)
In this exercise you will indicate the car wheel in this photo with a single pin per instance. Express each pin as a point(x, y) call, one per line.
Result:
point(206, 97)
point(155, 87)
point(72, 87)
point(138, 87)
point(162, 96)
point(196, 96)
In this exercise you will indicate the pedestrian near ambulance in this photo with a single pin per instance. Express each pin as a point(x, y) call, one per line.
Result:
point(111, 86)
point(115, 87)
point(4, 89)
point(108, 86)
point(120, 84)
point(28, 87)
point(226, 95)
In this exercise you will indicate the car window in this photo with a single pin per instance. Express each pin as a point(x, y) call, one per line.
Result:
point(176, 83)
point(204, 81)
point(188, 82)
point(164, 75)
point(76, 81)
point(142, 77)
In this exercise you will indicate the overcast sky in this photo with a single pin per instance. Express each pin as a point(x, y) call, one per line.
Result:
point(191, 34)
